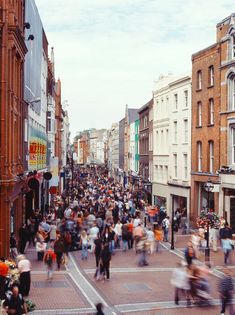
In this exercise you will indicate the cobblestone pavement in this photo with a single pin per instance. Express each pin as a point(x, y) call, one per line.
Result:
point(131, 289)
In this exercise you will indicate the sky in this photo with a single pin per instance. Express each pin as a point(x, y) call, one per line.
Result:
point(109, 53)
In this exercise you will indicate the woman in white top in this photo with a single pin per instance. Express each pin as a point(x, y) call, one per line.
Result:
point(24, 267)
point(84, 243)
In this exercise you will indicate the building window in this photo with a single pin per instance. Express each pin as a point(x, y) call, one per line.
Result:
point(199, 114)
point(211, 156)
point(175, 132)
point(199, 156)
point(166, 172)
point(186, 98)
point(175, 165)
point(185, 166)
point(233, 46)
point(49, 121)
point(186, 130)
point(161, 173)
point(231, 91)
point(199, 80)
point(232, 144)
point(176, 101)
point(211, 76)
point(211, 111)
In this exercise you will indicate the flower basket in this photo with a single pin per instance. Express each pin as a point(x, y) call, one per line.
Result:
point(208, 218)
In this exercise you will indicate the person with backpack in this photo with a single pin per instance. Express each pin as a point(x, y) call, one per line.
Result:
point(14, 302)
point(49, 259)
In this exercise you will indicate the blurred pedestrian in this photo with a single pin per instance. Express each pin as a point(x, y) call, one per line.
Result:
point(180, 281)
point(59, 250)
point(99, 308)
point(225, 287)
point(49, 259)
point(105, 258)
point(14, 303)
point(3, 273)
point(84, 244)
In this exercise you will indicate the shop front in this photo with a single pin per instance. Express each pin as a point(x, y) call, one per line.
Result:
point(227, 198)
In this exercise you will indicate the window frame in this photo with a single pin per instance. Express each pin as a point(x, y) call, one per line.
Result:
point(231, 91)
point(199, 114)
point(199, 80)
point(175, 165)
point(211, 113)
point(211, 76)
point(199, 156)
point(211, 156)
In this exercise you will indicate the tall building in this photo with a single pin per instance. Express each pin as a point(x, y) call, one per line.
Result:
point(206, 116)
point(179, 142)
point(12, 116)
point(35, 95)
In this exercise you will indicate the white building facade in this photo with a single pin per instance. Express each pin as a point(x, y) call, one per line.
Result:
point(171, 142)
point(179, 144)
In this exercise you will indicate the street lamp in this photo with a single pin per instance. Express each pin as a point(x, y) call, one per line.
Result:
point(208, 186)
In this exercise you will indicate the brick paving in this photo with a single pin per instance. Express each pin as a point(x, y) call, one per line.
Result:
point(131, 289)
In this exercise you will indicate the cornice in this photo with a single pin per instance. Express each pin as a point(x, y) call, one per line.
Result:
point(19, 39)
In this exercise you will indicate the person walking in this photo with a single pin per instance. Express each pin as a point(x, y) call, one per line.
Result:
point(105, 258)
point(49, 259)
point(97, 252)
point(59, 250)
point(165, 227)
point(225, 288)
point(24, 267)
point(84, 244)
point(23, 238)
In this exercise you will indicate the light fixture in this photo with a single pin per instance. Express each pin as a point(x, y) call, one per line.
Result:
point(30, 37)
point(27, 25)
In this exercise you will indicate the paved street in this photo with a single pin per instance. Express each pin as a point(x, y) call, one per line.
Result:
point(131, 289)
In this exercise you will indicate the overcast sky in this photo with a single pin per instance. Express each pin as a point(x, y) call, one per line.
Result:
point(109, 52)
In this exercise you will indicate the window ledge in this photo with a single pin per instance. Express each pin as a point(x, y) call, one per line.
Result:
point(210, 86)
point(210, 125)
point(198, 127)
point(184, 143)
point(185, 108)
point(198, 90)
point(175, 111)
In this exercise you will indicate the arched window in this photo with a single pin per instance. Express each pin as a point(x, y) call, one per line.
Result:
point(231, 91)
point(232, 41)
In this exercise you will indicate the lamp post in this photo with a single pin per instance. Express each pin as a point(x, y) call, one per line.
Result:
point(208, 186)
point(172, 226)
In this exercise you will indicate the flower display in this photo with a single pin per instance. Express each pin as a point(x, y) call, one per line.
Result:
point(208, 217)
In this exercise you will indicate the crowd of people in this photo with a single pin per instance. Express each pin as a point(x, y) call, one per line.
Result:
point(98, 216)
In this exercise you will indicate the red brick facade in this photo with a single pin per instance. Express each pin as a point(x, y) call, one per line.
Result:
point(12, 113)
point(211, 69)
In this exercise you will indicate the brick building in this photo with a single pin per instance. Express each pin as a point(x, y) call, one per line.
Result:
point(226, 39)
point(12, 114)
point(213, 118)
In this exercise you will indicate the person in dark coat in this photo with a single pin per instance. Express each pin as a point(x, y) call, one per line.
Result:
point(99, 308)
point(105, 258)
point(23, 238)
point(59, 249)
point(225, 287)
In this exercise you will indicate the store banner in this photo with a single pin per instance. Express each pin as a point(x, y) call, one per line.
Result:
point(37, 153)
point(54, 166)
